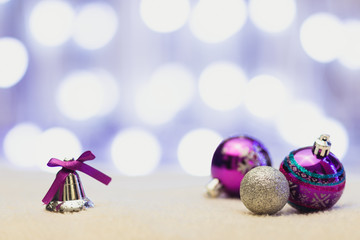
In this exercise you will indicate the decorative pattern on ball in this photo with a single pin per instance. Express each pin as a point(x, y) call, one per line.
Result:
point(315, 183)
point(264, 190)
point(233, 158)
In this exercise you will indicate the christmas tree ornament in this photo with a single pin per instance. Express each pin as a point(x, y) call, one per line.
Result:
point(67, 194)
point(316, 177)
point(264, 190)
point(232, 159)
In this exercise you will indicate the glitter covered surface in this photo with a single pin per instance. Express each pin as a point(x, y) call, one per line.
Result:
point(264, 190)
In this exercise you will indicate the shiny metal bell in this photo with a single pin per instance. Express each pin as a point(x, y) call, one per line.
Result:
point(73, 198)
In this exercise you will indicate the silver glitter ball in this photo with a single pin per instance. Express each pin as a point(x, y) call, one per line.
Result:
point(264, 190)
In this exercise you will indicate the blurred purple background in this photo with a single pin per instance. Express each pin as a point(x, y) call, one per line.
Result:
point(159, 83)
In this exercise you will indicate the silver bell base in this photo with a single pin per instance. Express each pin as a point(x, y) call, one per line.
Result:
point(69, 206)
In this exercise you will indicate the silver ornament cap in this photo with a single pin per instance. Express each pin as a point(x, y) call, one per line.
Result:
point(214, 188)
point(264, 190)
point(322, 145)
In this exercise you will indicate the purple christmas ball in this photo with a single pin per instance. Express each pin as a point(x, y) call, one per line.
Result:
point(316, 177)
point(232, 159)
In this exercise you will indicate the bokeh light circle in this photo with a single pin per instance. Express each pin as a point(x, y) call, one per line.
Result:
point(169, 90)
point(57, 143)
point(300, 122)
point(265, 96)
point(196, 149)
point(272, 15)
point(339, 136)
point(20, 144)
point(222, 85)
point(51, 22)
point(350, 53)
point(14, 61)
point(164, 15)
point(213, 21)
point(86, 94)
point(95, 25)
point(135, 152)
point(321, 37)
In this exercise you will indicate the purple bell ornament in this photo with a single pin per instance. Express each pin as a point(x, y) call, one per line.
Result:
point(232, 159)
point(316, 177)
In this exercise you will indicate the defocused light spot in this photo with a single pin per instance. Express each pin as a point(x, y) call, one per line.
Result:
point(196, 149)
point(110, 91)
point(164, 15)
point(95, 25)
point(20, 144)
point(57, 143)
point(350, 54)
point(4, 1)
point(339, 137)
point(272, 15)
point(51, 22)
point(135, 152)
point(299, 123)
point(214, 21)
point(169, 90)
point(13, 61)
point(84, 94)
point(321, 37)
point(222, 85)
point(265, 96)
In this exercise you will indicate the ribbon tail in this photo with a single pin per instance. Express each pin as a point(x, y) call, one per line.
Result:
point(101, 177)
point(58, 182)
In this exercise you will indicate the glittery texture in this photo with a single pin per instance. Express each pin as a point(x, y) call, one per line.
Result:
point(233, 158)
point(315, 183)
point(264, 190)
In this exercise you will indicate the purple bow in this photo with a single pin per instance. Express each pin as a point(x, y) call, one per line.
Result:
point(70, 167)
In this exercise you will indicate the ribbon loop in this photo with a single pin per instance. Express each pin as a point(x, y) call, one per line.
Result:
point(86, 156)
point(72, 166)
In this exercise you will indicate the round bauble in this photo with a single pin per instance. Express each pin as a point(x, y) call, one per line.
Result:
point(264, 190)
point(316, 177)
point(233, 158)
